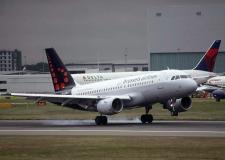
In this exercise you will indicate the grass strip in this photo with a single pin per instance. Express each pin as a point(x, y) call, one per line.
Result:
point(202, 109)
point(110, 147)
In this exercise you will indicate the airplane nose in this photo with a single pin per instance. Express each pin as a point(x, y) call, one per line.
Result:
point(191, 85)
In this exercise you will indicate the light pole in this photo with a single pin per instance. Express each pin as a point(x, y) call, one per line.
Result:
point(125, 61)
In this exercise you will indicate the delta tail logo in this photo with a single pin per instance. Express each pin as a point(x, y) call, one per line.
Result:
point(208, 61)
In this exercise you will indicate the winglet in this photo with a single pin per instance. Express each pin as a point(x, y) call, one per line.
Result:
point(208, 60)
point(61, 78)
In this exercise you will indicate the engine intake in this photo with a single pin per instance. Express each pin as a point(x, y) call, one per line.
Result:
point(179, 105)
point(110, 106)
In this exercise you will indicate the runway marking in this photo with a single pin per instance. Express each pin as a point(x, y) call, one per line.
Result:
point(120, 131)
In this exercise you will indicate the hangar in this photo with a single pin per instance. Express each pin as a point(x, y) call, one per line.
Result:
point(182, 60)
point(31, 83)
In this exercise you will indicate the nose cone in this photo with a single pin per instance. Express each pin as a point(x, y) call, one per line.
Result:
point(190, 86)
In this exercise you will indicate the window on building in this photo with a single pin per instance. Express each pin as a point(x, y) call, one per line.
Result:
point(3, 90)
point(3, 82)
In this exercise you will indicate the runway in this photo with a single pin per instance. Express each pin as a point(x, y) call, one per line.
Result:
point(115, 128)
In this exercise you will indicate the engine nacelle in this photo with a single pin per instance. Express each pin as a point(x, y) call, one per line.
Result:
point(218, 94)
point(179, 105)
point(110, 106)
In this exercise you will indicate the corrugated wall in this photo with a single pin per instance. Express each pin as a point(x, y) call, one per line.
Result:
point(182, 60)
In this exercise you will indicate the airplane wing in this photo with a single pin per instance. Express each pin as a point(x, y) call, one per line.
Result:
point(207, 88)
point(216, 86)
point(75, 101)
point(75, 97)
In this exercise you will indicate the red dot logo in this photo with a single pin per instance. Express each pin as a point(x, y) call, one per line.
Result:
point(66, 80)
point(56, 86)
point(62, 85)
point(55, 80)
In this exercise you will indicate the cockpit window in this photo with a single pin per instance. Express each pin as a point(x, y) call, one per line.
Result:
point(183, 76)
point(177, 77)
point(180, 77)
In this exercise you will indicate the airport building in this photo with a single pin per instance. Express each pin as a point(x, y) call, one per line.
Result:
point(30, 83)
point(10, 60)
point(106, 67)
point(182, 60)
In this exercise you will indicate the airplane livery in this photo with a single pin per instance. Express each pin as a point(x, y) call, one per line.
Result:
point(208, 61)
point(171, 88)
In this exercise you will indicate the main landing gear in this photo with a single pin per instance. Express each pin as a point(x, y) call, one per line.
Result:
point(101, 120)
point(147, 118)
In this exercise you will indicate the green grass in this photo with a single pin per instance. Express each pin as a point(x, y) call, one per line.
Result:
point(202, 109)
point(108, 147)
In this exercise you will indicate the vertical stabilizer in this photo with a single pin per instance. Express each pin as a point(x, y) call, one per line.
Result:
point(61, 78)
point(208, 60)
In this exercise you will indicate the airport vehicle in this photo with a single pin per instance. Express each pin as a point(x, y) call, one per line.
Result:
point(169, 87)
point(200, 73)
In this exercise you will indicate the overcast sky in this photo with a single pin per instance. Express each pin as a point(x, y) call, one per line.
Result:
point(88, 30)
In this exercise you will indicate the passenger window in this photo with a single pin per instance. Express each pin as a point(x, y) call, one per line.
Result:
point(173, 78)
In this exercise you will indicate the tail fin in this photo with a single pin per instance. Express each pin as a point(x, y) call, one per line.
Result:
point(208, 60)
point(61, 78)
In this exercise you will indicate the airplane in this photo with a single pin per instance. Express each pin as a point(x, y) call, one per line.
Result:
point(200, 73)
point(216, 86)
point(169, 87)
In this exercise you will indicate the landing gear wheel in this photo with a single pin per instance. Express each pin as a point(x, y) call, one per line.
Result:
point(146, 118)
point(217, 100)
point(101, 120)
point(173, 113)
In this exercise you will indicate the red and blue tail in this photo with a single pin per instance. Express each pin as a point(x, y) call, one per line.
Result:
point(61, 78)
point(208, 60)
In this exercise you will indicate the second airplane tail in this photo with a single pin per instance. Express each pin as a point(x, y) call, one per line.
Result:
point(61, 78)
point(208, 60)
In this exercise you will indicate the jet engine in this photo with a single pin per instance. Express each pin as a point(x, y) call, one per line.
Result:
point(219, 94)
point(110, 106)
point(179, 105)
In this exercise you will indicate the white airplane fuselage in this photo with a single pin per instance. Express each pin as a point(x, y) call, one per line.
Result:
point(218, 81)
point(199, 76)
point(148, 88)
